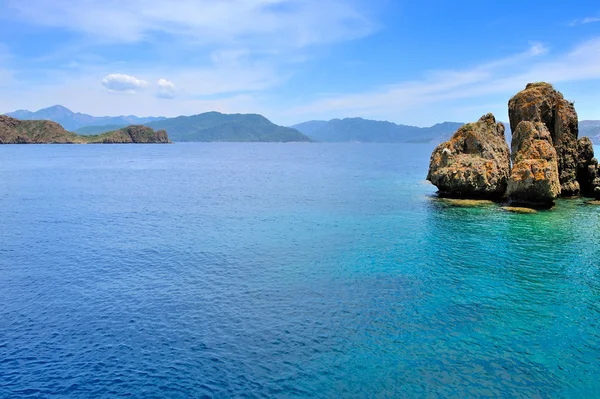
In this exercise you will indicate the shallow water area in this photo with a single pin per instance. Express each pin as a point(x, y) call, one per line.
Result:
point(519, 209)
point(464, 202)
point(284, 270)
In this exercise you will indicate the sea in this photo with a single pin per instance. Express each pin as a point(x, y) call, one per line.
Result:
point(238, 270)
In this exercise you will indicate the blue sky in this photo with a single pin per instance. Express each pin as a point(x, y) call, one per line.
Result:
point(295, 60)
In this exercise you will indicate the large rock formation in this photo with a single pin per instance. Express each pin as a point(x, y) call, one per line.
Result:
point(548, 160)
point(539, 102)
point(474, 163)
point(15, 131)
point(534, 179)
point(588, 171)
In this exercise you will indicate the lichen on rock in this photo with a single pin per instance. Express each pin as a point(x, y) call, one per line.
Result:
point(474, 163)
point(540, 102)
point(534, 178)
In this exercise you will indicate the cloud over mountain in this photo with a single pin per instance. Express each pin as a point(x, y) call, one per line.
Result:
point(122, 82)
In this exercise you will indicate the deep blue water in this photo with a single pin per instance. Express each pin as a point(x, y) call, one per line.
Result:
point(283, 270)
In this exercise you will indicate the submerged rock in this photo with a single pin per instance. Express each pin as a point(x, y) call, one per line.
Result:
point(540, 102)
point(474, 163)
point(518, 209)
point(588, 171)
point(534, 179)
point(466, 203)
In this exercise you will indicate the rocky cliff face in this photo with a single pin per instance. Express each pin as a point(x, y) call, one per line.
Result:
point(588, 171)
point(15, 131)
point(540, 102)
point(534, 179)
point(474, 163)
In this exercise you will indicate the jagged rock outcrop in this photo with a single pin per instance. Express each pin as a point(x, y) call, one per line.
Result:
point(474, 163)
point(540, 102)
point(588, 171)
point(534, 178)
point(132, 134)
point(15, 131)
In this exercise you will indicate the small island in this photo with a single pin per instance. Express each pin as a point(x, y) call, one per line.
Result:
point(15, 131)
point(546, 160)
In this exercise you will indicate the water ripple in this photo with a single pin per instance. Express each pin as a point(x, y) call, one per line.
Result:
point(223, 270)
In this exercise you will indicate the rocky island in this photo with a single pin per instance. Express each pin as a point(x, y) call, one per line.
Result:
point(546, 158)
point(15, 131)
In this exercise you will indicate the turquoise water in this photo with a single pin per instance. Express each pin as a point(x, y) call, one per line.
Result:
point(284, 270)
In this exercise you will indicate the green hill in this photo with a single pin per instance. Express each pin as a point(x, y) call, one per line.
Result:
point(15, 131)
point(88, 130)
point(215, 126)
point(130, 134)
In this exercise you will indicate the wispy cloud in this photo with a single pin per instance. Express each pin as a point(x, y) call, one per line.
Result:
point(584, 21)
point(211, 47)
point(270, 23)
point(498, 77)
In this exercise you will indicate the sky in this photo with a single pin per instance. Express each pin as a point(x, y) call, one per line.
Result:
point(409, 62)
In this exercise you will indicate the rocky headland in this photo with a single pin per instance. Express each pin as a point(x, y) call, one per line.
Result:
point(15, 131)
point(546, 159)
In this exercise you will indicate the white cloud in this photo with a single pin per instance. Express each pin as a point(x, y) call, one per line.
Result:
point(166, 89)
point(264, 23)
point(122, 82)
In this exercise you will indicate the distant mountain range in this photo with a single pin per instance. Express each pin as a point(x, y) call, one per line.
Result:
point(72, 121)
point(590, 129)
point(214, 126)
point(371, 131)
point(210, 126)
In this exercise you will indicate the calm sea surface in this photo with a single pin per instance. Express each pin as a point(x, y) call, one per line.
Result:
point(283, 270)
